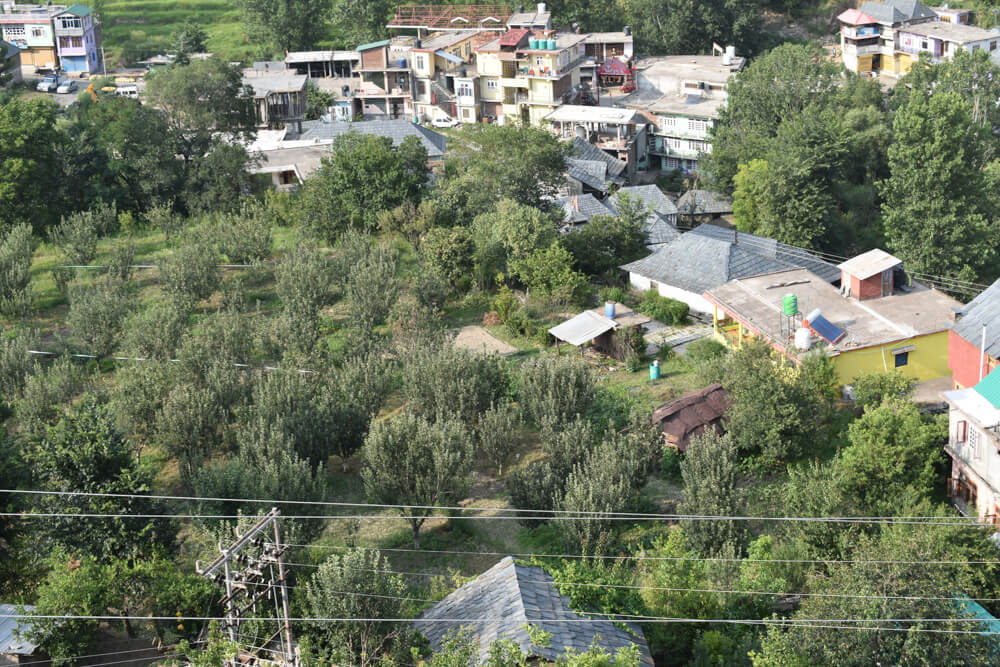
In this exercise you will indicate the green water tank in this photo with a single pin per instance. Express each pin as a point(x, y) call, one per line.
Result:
point(790, 304)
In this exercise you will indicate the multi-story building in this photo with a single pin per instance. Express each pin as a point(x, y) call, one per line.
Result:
point(888, 37)
point(29, 27)
point(680, 96)
point(974, 339)
point(78, 39)
point(445, 77)
point(974, 448)
point(540, 19)
point(524, 75)
point(386, 87)
point(621, 133)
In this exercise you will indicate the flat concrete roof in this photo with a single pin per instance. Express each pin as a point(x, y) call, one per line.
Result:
point(702, 68)
point(756, 301)
point(607, 37)
point(950, 32)
point(579, 113)
point(445, 40)
point(320, 56)
point(974, 405)
point(705, 107)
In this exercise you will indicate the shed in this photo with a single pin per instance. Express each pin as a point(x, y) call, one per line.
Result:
point(13, 648)
point(687, 417)
point(501, 602)
point(586, 327)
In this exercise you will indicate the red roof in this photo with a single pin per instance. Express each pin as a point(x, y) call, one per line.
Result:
point(688, 416)
point(855, 17)
point(514, 37)
point(614, 67)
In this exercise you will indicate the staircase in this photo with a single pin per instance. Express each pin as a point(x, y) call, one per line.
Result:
point(443, 99)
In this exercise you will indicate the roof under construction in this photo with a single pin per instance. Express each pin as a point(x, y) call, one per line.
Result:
point(451, 17)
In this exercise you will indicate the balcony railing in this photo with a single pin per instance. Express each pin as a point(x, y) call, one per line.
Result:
point(871, 49)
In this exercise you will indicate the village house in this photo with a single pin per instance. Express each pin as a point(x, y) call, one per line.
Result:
point(10, 61)
point(78, 40)
point(697, 206)
point(680, 97)
point(888, 37)
point(323, 64)
point(621, 133)
point(445, 77)
point(30, 29)
point(710, 256)
point(386, 88)
point(661, 223)
point(14, 649)
point(540, 19)
point(279, 95)
point(53, 37)
point(579, 209)
point(875, 321)
point(589, 170)
point(974, 339)
point(501, 602)
point(974, 448)
point(688, 416)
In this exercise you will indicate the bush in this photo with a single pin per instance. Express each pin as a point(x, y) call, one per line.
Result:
point(77, 234)
point(192, 272)
point(555, 389)
point(616, 294)
point(120, 262)
point(245, 237)
point(664, 309)
point(164, 218)
point(15, 271)
point(670, 463)
point(704, 349)
point(452, 381)
point(96, 315)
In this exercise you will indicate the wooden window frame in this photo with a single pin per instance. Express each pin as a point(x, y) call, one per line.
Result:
point(961, 431)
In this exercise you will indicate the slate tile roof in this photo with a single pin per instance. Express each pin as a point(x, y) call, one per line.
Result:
point(704, 202)
point(686, 417)
point(984, 309)
point(592, 173)
point(505, 598)
point(587, 151)
point(10, 623)
point(581, 208)
point(397, 130)
point(707, 257)
point(650, 195)
point(897, 11)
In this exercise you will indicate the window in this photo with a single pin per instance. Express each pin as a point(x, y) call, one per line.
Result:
point(76, 42)
point(961, 430)
point(38, 31)
point(923, 45)
point(465, 89)
point(13, 31)
point(667, 122)
point(902, 359)
point(287, 177)
point(492, 84)
point(696, 125)
point(539, 61)
point(974, 443)
point(70, 23)
point(421, 62)
point(64, 42)
point(466, 113)
point(993, 45)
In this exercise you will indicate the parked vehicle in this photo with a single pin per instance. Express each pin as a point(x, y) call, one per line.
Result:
point(128, 90)
point(445, 121)
point(50, 83)
point(66, 87)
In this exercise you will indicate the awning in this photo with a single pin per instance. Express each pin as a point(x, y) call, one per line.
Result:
point(614, 67)
point(450, 57)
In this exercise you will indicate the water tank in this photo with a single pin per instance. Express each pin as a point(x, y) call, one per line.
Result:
point(790, 304)
point(552, 45)
point(813, 315)
point(609, 310)
point(532, 42)
point(401, 63)
point(729, 55)
point(541, 7)
point(654, 372)
point(802, 338)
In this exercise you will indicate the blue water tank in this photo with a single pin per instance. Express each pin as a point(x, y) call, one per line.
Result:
point(654, 371)
point(609, 310)
point(551, 45)
point(401, 63)
point(532, 43)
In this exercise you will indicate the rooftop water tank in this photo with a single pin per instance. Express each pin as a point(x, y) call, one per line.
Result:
point(551, 46)
point(813, 315)
point(790, 304)
point(802, 338)
point(401, 63)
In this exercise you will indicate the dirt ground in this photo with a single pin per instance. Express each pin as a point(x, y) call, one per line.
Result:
point(479, 339)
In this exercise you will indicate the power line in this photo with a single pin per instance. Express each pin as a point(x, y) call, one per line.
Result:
point(173, 361)
point(99, 655)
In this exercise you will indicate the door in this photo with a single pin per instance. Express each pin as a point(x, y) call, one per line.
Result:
point(887, 282)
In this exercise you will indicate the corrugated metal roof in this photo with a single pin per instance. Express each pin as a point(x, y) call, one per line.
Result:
point(510, 595)
point(373, 45)
point(10, 622)
point(581, 113)
point(397, 130)
point(450, 57)
point(983, 310)
point(896, 11)
point(583, 328)
point(869, 264)
point(76, 10)
point(989, 388)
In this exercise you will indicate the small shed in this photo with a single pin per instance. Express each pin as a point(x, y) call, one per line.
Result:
point(14, 649)
point(688, 416)
point(584, 328)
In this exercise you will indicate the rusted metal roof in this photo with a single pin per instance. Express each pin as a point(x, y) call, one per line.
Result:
point(688, 416)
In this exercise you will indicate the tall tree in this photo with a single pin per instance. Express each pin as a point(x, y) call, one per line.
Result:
point(709, 471)
point(411, 461)
point(607, 242)
point(28, 136)
point(940, 193)
point(676, 26)
point(289, 25)
point(356, 22)
point(362, 176)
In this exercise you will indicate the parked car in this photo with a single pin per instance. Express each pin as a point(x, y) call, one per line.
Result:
point(128, 90)
point(446, 121)
point(66, 87)
point(50, 83)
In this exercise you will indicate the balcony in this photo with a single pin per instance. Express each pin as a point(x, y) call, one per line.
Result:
point(870, 50)
point(681, 132)
point(851, 32)
point(507, 82)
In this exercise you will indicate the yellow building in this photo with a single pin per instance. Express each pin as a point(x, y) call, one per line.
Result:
point(444, 74)
point(862, 331)
point(524, 75)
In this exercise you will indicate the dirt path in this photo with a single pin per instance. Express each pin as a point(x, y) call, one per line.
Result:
point(479, 339)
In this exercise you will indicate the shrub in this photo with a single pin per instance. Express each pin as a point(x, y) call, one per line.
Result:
point(15, 364)
point(704, 349)
point(156, 332)
point(245, 237)
point(872, 389)
point(555, 389)
point(96, 315)
point(120, 262)
point(303, 279)
point(77, 234)
point(45, 393)
point(452, 381)
point(191, 272)
point(670, 463)
point(15, 271)
point(616, 294)
point(664, 309)
point(164, 218)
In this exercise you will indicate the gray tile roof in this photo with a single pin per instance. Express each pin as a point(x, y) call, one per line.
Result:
point(660, 232)
point(397, 130)
point(897, 11)
point(704, 202)
point(651, 195)
point(984, 309)
point(706, 257)
point(581, 208)
point(587, 151)
point(10, 644)
point(592, 173)
point(505, 598)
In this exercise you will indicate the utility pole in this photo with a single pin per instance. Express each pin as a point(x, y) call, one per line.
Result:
point(251, 585)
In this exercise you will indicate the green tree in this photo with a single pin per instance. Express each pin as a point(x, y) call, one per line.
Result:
point(872, 389)
point(362, 176)
point(938, 194)
point(359, 21)
point(96, 316)
point(15, 270)
point(893, 455)
point(449, 251)
point(288, 26)
point(28, 137)
point(555, 389)
point(303, 280)
point(607, 242)
point(218, 179)
point(549, 275)
point(357, 584)
point(509, 231)
point(679, 27)
point(497, 432)
point(372, 288)
point(411, 461)
point(487, 163)
point(603, 483)
point(191, 273)
point(200, 100)
point(452, 381)
point(77, 234)
point(710, 476)
point(246, 237)
point(188, 425)
point(189, 37)
point(86, 452)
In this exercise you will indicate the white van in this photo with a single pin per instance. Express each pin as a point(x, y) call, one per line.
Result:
point(128, 90)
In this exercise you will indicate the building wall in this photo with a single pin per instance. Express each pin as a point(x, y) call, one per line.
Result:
point(39, 57)
point(694, 301)
point(28, 35)
point(977, 460)
point(927, 361)
point(963, 360)
point(869, 288)
point(373, 58)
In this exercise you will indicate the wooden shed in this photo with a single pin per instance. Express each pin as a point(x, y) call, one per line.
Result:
point(686, 417)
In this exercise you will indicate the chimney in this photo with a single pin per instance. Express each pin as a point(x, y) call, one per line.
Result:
point(736, 236)
point(541, 7)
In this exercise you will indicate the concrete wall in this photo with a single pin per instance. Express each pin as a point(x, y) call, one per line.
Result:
point(963, 360)
point(979, 463)
point(694, 301)
point(927, 361)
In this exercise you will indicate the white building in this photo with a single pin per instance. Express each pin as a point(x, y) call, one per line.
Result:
point(974, 448)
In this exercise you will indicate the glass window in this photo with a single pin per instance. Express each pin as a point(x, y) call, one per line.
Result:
point(38, 31)
point(492, 84)
point(12, 31)
point(902, 359)
point(70, 23)
point(421, 62)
